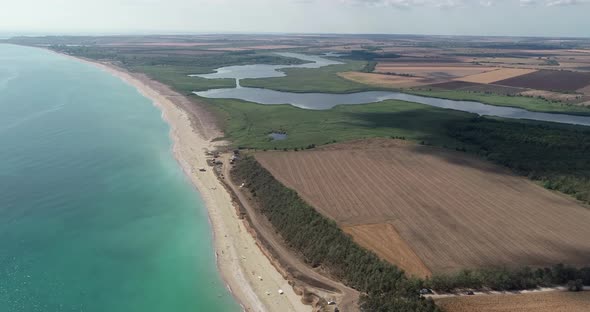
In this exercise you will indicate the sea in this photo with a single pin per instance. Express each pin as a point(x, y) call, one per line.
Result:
point(95, 212)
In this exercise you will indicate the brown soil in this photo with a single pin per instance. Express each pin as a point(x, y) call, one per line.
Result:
point(453, 210)
point(496, 75)
point(383, 239)
point(558, 301)
point(476, 87)
point(550, 80)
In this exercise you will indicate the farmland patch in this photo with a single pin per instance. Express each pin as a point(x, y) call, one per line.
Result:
point(529, 302)
point(496, 75)
point(453, 210)
point(549, 80)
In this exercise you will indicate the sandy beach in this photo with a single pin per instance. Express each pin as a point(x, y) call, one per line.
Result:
point(249, 275)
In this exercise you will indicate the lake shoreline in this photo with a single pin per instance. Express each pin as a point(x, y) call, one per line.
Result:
point(236, 251)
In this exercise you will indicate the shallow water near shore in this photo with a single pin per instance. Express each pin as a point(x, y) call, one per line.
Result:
point(95, 212)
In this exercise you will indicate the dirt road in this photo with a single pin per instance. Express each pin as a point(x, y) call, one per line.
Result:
point(346, 298)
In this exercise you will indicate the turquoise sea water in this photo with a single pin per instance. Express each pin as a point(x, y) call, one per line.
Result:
point(95, 213)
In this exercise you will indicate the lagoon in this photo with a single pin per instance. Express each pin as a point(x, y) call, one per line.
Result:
point(320, 101)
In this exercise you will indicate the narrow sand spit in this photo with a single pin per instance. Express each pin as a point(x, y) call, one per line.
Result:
point(249, 275)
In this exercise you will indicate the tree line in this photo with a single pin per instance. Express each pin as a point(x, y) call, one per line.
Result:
point(322, 243)
point(502, 279)
point(556, 155)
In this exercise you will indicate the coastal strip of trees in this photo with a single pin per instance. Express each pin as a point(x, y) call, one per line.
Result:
point(556, 155)
point(322, 243)
point(510, 279)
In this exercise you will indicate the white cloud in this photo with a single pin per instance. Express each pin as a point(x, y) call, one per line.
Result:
point(458, 3)
point(528, 2)
point(565, 2)
point(551, 3)
point(406, 3)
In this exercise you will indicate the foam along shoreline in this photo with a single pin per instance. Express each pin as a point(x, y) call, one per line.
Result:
point(238, 257)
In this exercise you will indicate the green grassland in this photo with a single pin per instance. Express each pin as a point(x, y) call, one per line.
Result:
point(528, 103)
point(177, 77)
point(248, 124)
point(324, 79)
point(553, 154)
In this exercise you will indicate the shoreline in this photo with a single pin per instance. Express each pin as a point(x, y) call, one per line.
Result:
point(236, 251)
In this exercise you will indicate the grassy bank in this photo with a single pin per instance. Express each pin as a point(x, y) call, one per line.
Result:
point(177, 77)
point(554, 154)
point(248, 124)
point(172, 65)
point(528, 103)
point(324, 79)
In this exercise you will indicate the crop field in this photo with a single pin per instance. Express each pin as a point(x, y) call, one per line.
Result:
point(431, 71)
point(477, 87)
point(386, 81)
point(530, 302)
point(383, 239)
point(496, 75)
point(550, 80)
point(454, 211)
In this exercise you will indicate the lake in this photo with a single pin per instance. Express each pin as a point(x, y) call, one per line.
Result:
point(328, 100)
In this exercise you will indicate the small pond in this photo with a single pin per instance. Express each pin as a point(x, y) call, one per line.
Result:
point(275, 136)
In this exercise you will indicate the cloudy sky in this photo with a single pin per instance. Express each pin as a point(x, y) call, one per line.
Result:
point(445, 17)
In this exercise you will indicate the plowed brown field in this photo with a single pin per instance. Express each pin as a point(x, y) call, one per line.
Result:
point(550, 80)
point(384, 240)
point(453, 210)
point(536, 302)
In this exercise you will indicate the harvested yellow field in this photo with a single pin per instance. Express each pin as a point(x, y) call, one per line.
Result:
point(430, 71)
point(389, 81)
point(496, 75)
point(453, 210)
point(384, 240)
point(559, 301)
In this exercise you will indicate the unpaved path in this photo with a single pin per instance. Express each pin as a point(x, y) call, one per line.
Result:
point(346, 297)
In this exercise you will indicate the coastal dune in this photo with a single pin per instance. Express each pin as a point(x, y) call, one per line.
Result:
point(248, 273)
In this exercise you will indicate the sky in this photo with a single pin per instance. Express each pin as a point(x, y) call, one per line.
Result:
point(438, 17)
